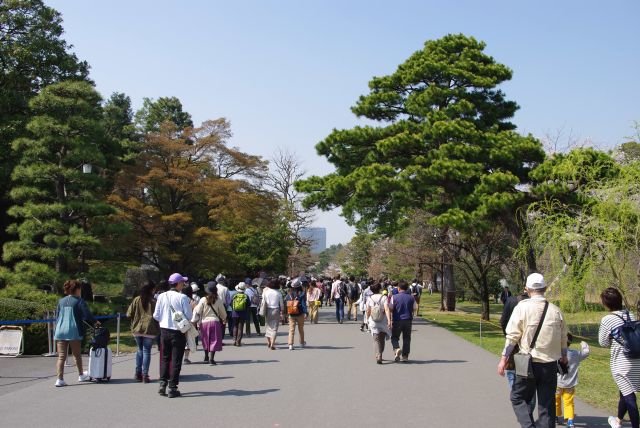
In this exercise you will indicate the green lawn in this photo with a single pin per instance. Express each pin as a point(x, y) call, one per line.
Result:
point(596, 384)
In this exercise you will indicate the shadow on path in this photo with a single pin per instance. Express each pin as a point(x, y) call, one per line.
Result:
point(591, 421)
point(236, 362)
point(410, 362)
point(229, 392)
point(328, 347)
point(201, 377)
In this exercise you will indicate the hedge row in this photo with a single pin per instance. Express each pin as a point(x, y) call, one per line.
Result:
point(35, 335)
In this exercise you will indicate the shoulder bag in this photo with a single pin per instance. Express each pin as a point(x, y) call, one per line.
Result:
point(179, 319)
point(522, 360)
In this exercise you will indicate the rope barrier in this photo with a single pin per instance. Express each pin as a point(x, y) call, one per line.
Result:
point(27, 322)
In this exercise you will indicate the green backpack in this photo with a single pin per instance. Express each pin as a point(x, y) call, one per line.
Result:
point(239, 302)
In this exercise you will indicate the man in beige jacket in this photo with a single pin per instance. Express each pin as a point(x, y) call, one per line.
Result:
point(550, 346)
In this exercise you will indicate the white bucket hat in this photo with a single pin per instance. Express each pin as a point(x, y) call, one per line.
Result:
point(535, 281)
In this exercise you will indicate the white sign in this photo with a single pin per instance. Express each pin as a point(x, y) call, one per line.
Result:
point(10, 341)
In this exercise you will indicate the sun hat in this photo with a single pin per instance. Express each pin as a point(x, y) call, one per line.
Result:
point(535, 281)
point(220, 278)
point(176, 278)
point(240, 286)
point(194, 287)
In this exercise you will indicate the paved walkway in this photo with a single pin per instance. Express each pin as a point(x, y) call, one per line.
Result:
point(332, 382)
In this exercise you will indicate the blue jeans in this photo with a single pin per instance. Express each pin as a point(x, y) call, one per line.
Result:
point(143, 355)
point(339, 309)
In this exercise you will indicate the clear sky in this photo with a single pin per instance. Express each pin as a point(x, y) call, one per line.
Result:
point(285, 73)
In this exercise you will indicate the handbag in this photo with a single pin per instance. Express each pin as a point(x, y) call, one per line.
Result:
point(179, 319)
point(523, 361)
point(262, 310)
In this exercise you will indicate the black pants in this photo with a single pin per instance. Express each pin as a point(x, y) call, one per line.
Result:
point(229, 324)
point(401, 327)
point(173, 343)
point(626, 404)
point(544, 385)
point(253, 314)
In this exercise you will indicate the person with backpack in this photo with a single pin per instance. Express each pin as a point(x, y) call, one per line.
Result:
point(379, 319)
point(353, 294)
point(296, 304)
point(144, 329)
point(225, 296)
point(71, 314)
point(240, 312)
point(211, 314)
point(171, 308)
point(624, 368)
point(539, 329)
point(254, 301)
point(338, 295)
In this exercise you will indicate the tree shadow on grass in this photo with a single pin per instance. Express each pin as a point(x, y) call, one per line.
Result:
point(229, 392)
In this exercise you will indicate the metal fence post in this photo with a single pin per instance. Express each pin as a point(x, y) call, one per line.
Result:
point(50, 335)
point(481, 332)
point(118, 335)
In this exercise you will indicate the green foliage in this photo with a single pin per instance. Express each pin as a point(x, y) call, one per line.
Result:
point(35, 335)
point(328, 256)
point(355, 256)
point(266, 247)
point(165, 109)
point(33, 55)
point(119, 127)
point(54, 200)
point(444, 144)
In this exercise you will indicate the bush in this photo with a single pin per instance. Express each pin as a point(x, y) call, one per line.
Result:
point(30, 294)
point(35, 335)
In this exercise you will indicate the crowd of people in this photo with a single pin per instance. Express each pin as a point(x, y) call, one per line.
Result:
point(540, 367)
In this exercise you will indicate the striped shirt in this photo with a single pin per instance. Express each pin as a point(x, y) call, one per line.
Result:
point(625, 371)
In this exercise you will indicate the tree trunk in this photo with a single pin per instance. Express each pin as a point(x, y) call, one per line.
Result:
point(484, 297)
point(448, 286)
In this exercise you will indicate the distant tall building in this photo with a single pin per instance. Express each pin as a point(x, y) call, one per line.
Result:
point(317, 236)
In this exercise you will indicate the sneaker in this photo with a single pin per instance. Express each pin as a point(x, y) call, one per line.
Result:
point(303, 344)
point(397, 354)
point(570, 423)
point(146, 379)
point(138, 377)
point(187, 361)
point(174, 393)
point(405, 359)
point(60, 382)
point(163, 390)
point(613, 422)
point(290, 347)
point(212, 363)
point(84, 377)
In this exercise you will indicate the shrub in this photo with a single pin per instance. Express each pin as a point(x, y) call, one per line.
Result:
point(35, 335)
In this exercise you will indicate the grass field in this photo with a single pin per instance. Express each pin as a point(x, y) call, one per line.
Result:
point(596, 385)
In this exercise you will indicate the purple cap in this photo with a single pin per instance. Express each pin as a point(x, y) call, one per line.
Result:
point(176, 278)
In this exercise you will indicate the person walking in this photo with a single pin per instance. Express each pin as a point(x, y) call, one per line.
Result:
point(187, 290)
point(240, 312)
point(353, 294)
point(313, 301)
point(625, 370)
point(173, 341)
point(272, 308)
point(225, 297)
point(506, 293)
point(71, 314)
point(568, 381)
point(362, 305)
point(539, 329)
point(338, 296)
point(254, 301)
point(404, 306)
point(379, 319)
point(211, 314)
point(296, 303)
point(144, 329)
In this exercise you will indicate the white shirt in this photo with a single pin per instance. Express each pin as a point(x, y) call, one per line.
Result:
point(250, 292)
point(335, 289)
point(223, 294)
point(272, 299)
point(180, 303)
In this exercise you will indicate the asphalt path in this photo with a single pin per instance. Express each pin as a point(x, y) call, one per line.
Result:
point(334, 381)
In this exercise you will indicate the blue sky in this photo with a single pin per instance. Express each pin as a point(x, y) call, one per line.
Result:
point(285, 73)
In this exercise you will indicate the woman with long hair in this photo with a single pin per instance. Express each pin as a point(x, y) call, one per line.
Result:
point(272, 308)
point(211, 313)
point(144, 328)
point(625, 371)
point(313, 302)
point(71, 314)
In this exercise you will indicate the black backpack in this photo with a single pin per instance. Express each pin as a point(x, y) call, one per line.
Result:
point(100, 338)
point(354, 292)
point(342, 290)
point(628, 336)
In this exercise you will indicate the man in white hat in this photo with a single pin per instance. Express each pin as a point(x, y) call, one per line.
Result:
point(549, 346)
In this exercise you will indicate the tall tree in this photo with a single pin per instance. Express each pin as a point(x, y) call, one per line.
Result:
point(444, 144)
point(55, 200)
point(32, 55)
point(165, 109)
point(119, 126)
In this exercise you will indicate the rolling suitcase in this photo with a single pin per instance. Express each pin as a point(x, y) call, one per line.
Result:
point(100, 364)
